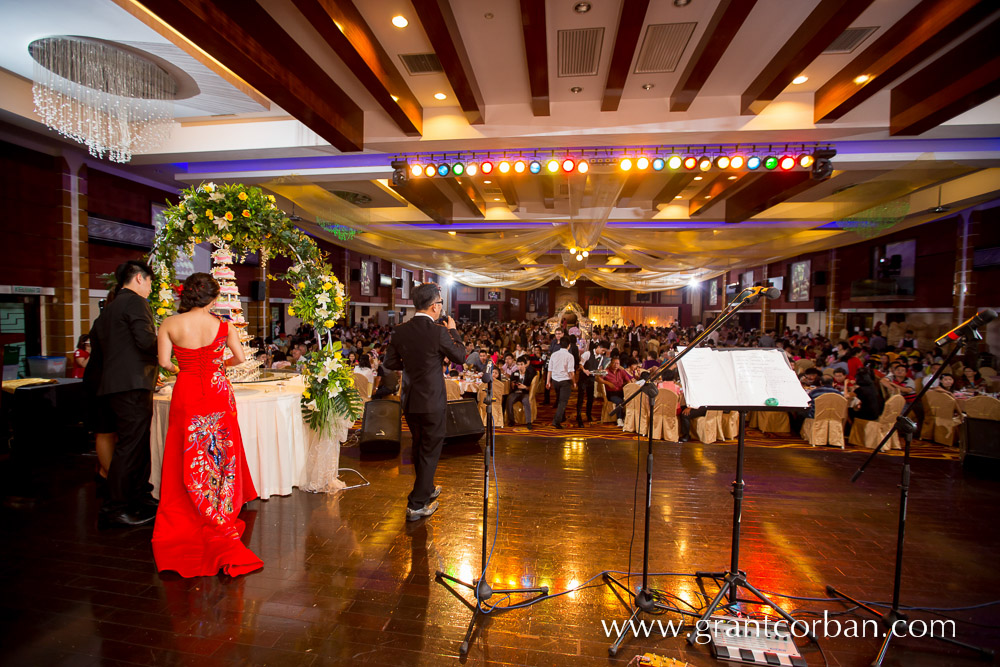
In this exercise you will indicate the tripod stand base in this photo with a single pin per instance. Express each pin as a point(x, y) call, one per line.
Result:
point(482, 591)
point(642, 602)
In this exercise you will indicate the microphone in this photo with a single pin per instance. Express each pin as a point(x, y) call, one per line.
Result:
point(970, 327)
point(759, 291)
point(488, 373)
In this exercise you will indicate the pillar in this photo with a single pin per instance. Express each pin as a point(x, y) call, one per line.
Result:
point(964, 290)
point(766, 314)
point(835, 320)
point(67, 313)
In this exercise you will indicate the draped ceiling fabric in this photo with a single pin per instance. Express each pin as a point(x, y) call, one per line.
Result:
point(667, 257)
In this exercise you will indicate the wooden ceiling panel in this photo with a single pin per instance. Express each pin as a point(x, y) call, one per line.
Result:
point(719, 33)
point(244, 38)
point(930, 26)
point(426, 196)
point(466, 193)
point(674, 186)
point(536, 51)
point(821, 27)
point(765, 192)
point(958, 81)
point(344, 29)
point(633, 15)
point(441, 28)
point(720, 189)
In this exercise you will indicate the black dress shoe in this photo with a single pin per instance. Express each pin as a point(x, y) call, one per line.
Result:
point(554, 425)
point(126, 518)
point(579, 424)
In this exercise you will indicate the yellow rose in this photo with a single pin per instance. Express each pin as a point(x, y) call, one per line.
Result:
point(270, 198)
point(327, 287)
point(164, 285)
point(161, 311)
point(328, 324)
point(337, 355)
point(301, 285)
point(339, 301)
point(228, 216)
point(242, 196)
point(209, 214)
point(228, 237)
point(306, 394)
point(196, 239)
point(291, 311)
point(246, 213)
point(209, 188)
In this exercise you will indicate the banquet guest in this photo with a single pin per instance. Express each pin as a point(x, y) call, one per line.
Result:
point(418, 348)
point(364, 368)
point(101, 418)
point(971, 381)
point(520, 390)
point(127, 339)
point(386, 381)
point(590, 363)
point(945, 383)
point(509, 365)
point(205, 479)
point(561, 378)
point(81, 355)
point(870, 401)
point(556, 343)
point(839, 380)
point(614, 382)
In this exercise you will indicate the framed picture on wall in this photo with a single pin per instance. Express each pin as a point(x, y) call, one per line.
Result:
point(367, 279)
point(713, 292)
point(494, 295)
point(407, 283)
point(746, 280)
point(799, 277)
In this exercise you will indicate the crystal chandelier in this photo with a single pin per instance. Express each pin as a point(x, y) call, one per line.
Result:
point(110, 98)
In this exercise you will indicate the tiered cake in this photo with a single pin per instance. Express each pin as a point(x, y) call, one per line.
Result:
point(228, 307)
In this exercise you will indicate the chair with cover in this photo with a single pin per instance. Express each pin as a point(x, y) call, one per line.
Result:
point(827, 427)
point(869, 433)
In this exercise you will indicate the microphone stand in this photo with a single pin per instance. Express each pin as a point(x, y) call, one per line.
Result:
point(907, 427)
point(482, 591)
point(644, 601)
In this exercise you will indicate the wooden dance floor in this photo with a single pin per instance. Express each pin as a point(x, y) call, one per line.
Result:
point(347, 581)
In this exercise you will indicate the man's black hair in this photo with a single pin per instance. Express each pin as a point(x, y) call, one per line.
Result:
point(126, 271)
point(424, 295)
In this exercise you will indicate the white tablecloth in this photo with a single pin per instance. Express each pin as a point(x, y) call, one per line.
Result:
point(275, 439)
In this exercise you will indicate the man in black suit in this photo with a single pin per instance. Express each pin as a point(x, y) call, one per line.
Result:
point(520, 390)
point(126, 336)
point(418, 348)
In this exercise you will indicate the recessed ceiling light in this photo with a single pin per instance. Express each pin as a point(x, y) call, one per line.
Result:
point(581, 7)
point(452, 233)
point(697, 178)
point(861, 79)
point(679, 197)
point(708, 196)
point(576, 89)
point(487, 182)
point(440, 96)
point(488, 15)
point(732, 178)
point(682, 3)
point(647, 86)
point(800, 79)
point(394, 98)
point(400, 21)
point(496, 199)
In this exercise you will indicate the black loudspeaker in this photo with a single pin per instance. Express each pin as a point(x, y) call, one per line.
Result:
point(382, 423)
point(462, 421)
point(258, 290)
point(819, 278)
point(819, 304)
point(979, 445)
point(356, 275)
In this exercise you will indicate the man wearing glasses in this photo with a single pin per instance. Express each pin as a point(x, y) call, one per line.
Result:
point(419, 348)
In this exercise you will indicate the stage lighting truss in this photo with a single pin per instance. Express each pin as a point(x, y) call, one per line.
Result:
point(815, 158)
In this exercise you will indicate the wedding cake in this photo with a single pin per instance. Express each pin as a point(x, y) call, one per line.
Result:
point(229, 307)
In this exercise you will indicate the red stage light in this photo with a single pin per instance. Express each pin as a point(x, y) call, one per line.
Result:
point(486, 167)
point(568, 165)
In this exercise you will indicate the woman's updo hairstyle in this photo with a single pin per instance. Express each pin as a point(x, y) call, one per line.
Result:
point(200, 289)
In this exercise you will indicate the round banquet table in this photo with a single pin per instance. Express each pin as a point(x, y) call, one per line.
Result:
point(275, 439)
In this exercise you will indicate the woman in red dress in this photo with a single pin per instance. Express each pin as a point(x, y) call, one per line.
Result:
point(205, 479)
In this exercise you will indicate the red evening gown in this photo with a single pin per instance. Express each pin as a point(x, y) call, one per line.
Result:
point(205, 476)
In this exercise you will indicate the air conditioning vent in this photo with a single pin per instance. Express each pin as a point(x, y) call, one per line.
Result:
point(580, 51)
point(663, 46)
point(492, 192)
point(421, 63)
point(849, 40)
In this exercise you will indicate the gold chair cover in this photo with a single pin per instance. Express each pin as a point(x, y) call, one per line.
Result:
point(773, 422)
point(982, 407)
point(706, 428)
point(666, 426)
point(802, 364)
point(363, 386)
point(453, 390)
point(827, 427)
point(607, 408)
point(729, 426)
point(518, 408)
point(636, 412)
point(497, 407)
point(941, 418)
point(869, 433)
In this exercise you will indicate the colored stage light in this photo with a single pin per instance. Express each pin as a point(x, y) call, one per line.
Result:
point(675, 162)
point(443, 169)
point(471, 169)
point(486, 167)
point(658, 164)
point(625, 164)
point(786, 162)
point(416, 170)
point(535, 166)
point(430, 170)
point(690, 163)
point(722, 162)
point(568, 165)
point(770, 162)
point(736, 162)
point(805, 160)
point(457, 169)
point(552, 166)
point(753, 162)
point(704, 163)
point(583, 166)
point(520, 166)
point(642, 163)
point(504, 167)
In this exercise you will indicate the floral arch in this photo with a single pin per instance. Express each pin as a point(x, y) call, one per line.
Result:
point(244, 220)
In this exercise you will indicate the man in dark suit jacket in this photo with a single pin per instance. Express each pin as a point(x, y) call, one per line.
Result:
point(418, 348)
point(126, 336)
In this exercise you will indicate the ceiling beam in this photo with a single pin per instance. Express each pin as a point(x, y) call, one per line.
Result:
point(632, 183)
point(442, 30)
point(341, 25)
point(673, 187)
point(467, 195)
point(719, 190)
point(426, 196)
point(958, 81)
point(719, 33)
point(821, 27)
point(506, 184)
point(536, 51)
point(765, 192)
point(245, 39)
point(630, 21)
point(927, 28)
point(547, 181)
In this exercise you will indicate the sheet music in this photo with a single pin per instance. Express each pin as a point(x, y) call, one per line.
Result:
point(705, 381)
point(740, 378)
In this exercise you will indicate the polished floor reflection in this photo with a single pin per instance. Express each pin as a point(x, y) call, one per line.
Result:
point(347, 581)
